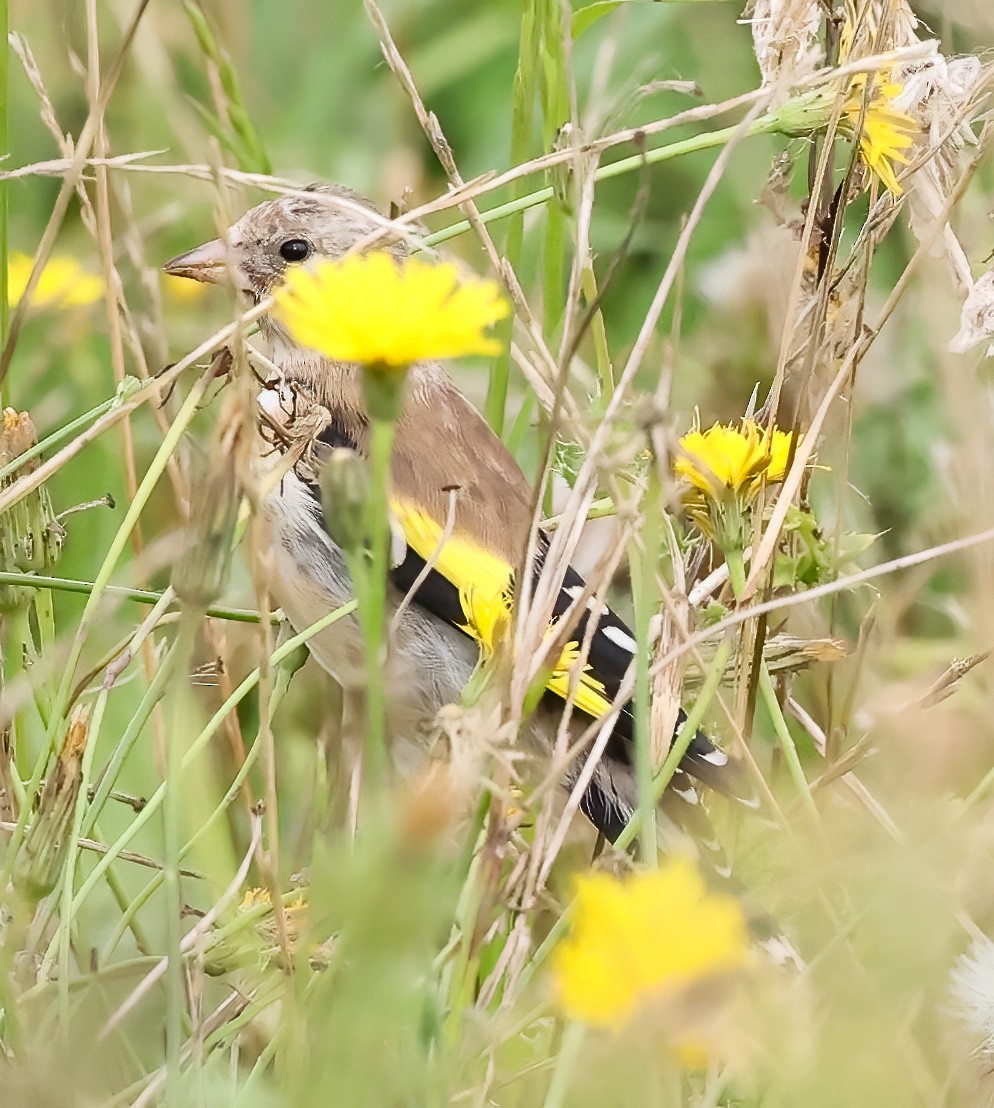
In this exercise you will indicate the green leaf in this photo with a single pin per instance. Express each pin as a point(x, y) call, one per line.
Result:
point(586, 17)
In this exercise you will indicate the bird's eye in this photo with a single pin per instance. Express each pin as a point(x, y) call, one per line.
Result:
point(295, 250)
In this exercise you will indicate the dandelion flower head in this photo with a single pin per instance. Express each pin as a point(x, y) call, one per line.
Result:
point(728, 458)
point(885, 133)
point(374, 309)
point(642, 939)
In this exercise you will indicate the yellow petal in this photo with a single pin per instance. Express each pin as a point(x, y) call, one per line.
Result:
point(374, 309)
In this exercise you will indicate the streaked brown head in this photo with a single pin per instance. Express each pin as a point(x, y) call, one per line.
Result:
point(254, 254)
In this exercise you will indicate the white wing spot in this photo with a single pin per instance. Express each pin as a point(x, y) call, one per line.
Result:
point(620, 638)
point(689, 794)
point(715, 756)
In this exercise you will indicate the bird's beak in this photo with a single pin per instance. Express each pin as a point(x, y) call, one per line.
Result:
point(206, 263)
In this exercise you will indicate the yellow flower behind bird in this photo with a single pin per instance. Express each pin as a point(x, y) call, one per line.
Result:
point(63, 282)
point(885, 133)
point(724, 468)
point(375, 309)
point(882, 133)
point(638, 941)
point(726, 458)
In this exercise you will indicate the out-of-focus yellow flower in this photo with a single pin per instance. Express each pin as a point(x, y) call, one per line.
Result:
point(385, 312)
point(885, 132)
point(645, 939)
point(63, 282)
point(182, 290)
point(728, 459)
point(252, 937)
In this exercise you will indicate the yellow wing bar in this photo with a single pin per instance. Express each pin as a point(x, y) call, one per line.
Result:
point(485, 583)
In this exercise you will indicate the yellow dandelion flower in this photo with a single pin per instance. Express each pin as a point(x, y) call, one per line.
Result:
point(374, 309)
point(728, 459)
point(725, 467)
point(63, 282)
point(255, 897)
point(645, 939)
point(885, 132)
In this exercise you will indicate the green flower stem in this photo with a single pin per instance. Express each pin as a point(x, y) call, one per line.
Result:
point(373, 597)
point(140, 596)
point(736, 570)
point(44, 610)
point(765, 125)
point(598, 329)
point(172, 838)
point(645, 594)
point(383, 387)
point(562, 1075)
point(459, 979)
point(85, 815)
point(16, 637)
point(554, 93)
point(280, 687)
point(786, 741)
point(523, 95)
point(152, 695)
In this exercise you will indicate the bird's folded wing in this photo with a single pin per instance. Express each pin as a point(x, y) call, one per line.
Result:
point(457, 579)
point(473, 588)
point(463, 510)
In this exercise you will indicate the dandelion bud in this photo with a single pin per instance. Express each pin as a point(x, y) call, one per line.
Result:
point(39, 861)
point(30, 536)
point(200, 575)
point(344, 495)
point(563, 177)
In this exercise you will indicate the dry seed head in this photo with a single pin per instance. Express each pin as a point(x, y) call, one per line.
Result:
point(199, 576)
point(785, 39)
point(30, 536)
point(946, 96)
point(977, 317)
point(971, 995)
point(875, 26)
point(42, 855)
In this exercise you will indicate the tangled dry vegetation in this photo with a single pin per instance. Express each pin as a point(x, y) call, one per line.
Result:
point(772, 455)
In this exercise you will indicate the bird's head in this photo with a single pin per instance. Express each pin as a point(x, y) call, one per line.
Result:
point(253, 256)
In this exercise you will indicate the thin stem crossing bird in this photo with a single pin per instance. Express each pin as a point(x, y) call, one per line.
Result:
point(461, 517)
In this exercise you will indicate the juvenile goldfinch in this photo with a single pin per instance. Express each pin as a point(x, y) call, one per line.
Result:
point(441, 444)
